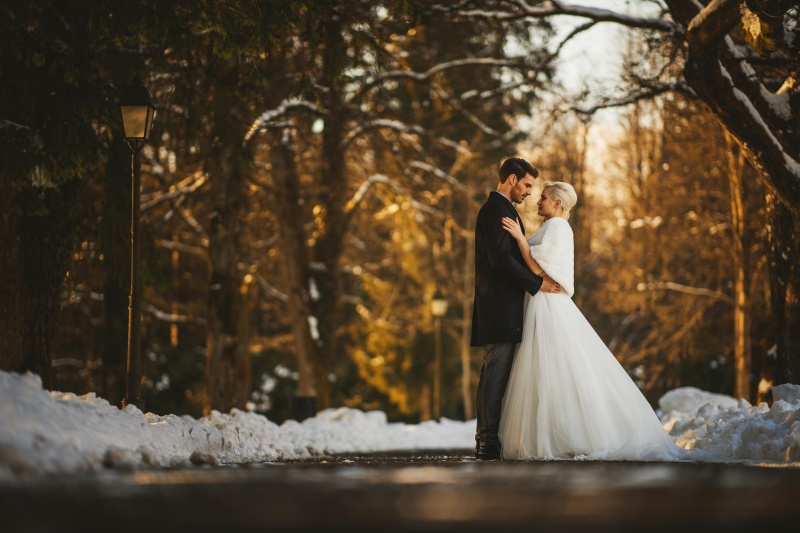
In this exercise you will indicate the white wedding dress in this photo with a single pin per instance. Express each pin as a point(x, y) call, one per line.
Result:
point(568, 396)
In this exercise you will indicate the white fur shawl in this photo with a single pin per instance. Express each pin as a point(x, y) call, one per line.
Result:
point(552, 247)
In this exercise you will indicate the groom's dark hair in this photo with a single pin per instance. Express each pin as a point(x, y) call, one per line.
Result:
point(517, 166)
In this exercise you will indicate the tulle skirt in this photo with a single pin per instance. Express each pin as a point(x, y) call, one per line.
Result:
point(568, 396)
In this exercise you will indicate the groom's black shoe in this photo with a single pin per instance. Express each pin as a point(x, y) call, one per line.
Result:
point(487, 450)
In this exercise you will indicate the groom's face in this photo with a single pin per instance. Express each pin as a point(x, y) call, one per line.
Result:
point(521, 188)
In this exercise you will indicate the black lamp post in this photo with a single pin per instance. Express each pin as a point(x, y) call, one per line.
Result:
point(438, 310)
point(137, 116)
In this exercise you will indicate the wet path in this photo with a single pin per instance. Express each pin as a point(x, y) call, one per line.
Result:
point(445, 491)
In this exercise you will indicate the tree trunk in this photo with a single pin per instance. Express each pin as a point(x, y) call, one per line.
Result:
point(583, 238)
point(741, 308)
point(466, 316)
point(729, 85)
point(227, 374)
point(332, 190)
point(33, 264)
point(784, 260)
point(293, 247)
point(425, 402)
point(14, 305)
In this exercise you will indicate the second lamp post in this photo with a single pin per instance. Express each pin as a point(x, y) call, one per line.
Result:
point(438, 310)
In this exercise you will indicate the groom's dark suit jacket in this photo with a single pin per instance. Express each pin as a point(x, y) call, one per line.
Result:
point(501, 276)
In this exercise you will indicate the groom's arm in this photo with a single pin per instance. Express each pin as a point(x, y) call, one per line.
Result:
point(499, 245)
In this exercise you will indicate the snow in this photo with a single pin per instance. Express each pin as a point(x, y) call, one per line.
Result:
point(719, 428)
point(780, 102)
point(47, 433)
point(269, 116)
point(791, 164)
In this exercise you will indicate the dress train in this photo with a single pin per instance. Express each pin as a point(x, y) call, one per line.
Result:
point(569, 397)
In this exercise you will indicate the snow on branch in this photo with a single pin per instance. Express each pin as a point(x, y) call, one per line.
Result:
point(182, 247)
point(791, 164)
point(74, 297)
point(436, 69)
point(271, 290)
point(5, 123)
point(713, 22)
point(439, 173)
point(194, 224)
point(263, 243)
point(186, 216)
point(268, 117)
point(548, 9)
point(672, 286)
point(401, 127)
point(364, 187)
point(497, 143)
point(491, 93)
point(380, 178)
point(173, 318)
point(726, 80)
point(185, 187)
point(34, 136)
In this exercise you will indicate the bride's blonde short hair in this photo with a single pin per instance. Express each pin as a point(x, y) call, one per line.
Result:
point(563, 191)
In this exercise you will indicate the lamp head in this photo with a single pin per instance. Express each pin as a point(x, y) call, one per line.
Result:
point(137, 112)
point(438, 304)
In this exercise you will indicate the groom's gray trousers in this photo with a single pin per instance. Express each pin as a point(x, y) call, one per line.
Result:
point(496, 369)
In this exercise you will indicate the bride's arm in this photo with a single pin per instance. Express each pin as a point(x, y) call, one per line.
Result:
point(512, 226)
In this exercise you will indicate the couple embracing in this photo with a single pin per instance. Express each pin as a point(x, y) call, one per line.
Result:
point(549, 387)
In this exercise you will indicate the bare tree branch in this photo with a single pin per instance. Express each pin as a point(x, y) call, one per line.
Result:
point(271, 290)
point(173, 318)
point(185, 187)
point(548, 9)
point(181, 247)
point(439, 173)
point(695, 291)
point(436, 69)
point(356, 199)
point(636, 96)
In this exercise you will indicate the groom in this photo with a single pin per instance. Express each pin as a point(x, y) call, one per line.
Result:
point(501, 280)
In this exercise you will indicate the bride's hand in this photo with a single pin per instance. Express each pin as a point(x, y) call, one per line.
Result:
point(512, 226)
point(550, 285)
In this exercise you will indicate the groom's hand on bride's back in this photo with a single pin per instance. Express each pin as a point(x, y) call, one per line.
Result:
point(550, 285)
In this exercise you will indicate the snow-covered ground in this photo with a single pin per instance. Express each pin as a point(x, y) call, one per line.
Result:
point(46, 433)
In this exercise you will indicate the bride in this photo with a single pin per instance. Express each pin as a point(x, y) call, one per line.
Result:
point(568, 396)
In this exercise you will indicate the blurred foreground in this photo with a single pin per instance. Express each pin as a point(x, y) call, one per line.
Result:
point(445, 491)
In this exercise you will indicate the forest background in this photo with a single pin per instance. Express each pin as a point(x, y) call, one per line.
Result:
point(314, 173)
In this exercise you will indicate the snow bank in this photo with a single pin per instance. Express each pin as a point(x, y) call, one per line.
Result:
point(44, 432)
point(714, 427)
point(53, 433)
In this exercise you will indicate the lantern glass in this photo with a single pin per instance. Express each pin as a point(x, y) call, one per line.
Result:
point(438, 305)
point(137, 111)
point(137, 121)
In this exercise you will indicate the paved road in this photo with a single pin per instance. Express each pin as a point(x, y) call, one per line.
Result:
point(447, 491)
